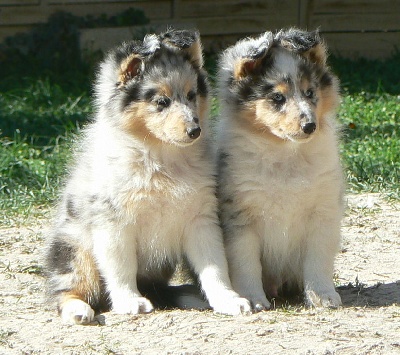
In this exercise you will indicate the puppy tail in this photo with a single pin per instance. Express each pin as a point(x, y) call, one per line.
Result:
point(72, 274)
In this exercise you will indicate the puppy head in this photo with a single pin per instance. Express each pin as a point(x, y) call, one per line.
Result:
point(156, 89)
point(285, 92)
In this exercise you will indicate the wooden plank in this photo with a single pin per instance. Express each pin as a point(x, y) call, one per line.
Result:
point(154, 10)
point(37, 14)
point(103, 39)
point(210, 9)
point(218, 43)
point(176, 8)
point(19, 2)
point(369, 45)
point(242, 24)
point(304, 13)
point(75, 2)
point(352, 22)
point(356, 6)
point(349, 45)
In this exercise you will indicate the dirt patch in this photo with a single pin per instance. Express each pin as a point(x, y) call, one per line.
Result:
point(367, 275)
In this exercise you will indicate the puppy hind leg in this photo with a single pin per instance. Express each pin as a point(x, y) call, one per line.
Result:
point(205, 252)
point(74, 310)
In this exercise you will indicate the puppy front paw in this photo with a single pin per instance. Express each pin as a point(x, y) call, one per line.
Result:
point(260, 304)
point(258, 300)
point(323, 298)
point(232, 306)
point(134, 305)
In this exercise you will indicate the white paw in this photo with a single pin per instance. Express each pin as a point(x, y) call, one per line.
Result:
point(258, 300)
point(260, 303)
point(324, 298)
point(233, 306)
point(75, 311)
point(134, 305)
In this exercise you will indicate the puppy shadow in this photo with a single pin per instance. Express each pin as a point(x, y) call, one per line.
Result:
point(186, 297)
point(352, 295)
point(163, 298)
point(99, 319)
point(378, 295)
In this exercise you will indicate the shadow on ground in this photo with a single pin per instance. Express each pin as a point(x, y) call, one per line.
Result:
point(372, 296)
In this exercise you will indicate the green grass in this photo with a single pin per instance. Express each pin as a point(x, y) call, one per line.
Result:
point(40, 112)
point(39, 118)
point(29, 176)
point(370, 114)
point(371, 142)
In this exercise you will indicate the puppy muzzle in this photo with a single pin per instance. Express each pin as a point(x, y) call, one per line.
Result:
point(307, 123)
point(308, 127)
point(193, 132)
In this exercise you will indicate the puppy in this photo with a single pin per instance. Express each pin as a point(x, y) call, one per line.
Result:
point(140, 196)
point(280, 179)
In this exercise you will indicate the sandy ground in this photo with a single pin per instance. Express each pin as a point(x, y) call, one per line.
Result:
point(367, 275)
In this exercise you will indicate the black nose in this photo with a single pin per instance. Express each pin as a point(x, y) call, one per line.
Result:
point(309, 128)
point(194, 132)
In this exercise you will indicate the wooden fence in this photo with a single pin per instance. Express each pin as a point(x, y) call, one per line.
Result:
point(352, 28)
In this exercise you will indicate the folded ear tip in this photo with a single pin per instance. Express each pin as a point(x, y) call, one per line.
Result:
point(182, 39)
point(298, 40)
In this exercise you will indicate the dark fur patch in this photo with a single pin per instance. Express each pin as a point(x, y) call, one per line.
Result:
point(60, 256)
point(149, 94)
point(266, 89)
point(222, 165)
point(202, 84)
point(127, 48)
point(252, 87)
point(297, 40)
point(223, 159)
point(326, 80)
point(71, 208)
point(248, 89)
point(180, 38)
point(132, 92)
point(305, 71)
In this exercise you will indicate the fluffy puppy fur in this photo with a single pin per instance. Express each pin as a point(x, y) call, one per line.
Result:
point(141, 194)
point(280, 179)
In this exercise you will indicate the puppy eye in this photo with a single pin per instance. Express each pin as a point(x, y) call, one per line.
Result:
point(163, 102)
point(309, 93)
point(191, 96)
point(278, 98)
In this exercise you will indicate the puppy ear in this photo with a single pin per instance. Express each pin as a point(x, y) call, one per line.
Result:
point(317, 54)
point(132, 56)
point(251, 59)
point(130, 68)
point(307, 44)
point(186, 41)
